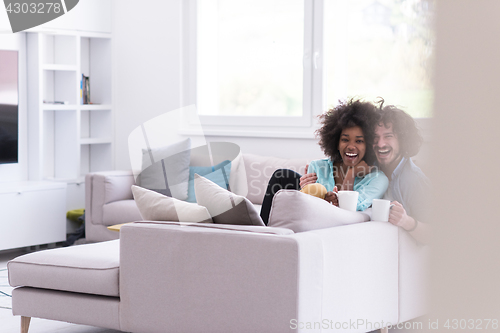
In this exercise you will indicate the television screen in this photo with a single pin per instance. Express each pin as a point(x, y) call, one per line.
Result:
point(9, 107)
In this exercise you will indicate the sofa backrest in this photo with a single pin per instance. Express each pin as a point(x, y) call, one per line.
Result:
point(219, 151)
point(259, 170)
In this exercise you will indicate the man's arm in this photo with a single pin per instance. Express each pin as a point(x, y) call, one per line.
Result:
point(418, 230)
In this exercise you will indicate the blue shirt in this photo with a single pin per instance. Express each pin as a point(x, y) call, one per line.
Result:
point(372, 186)
point(410, 187)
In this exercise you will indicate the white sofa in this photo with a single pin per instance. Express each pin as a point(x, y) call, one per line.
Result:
point(176, 277)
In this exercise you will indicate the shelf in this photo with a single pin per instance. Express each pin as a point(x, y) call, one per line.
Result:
point(55, 67)
point(58, 32)
point(89, 34)
point(94, 107)
point(59, 107)
point(24, 186)
point(79, 180)
point(94, 141)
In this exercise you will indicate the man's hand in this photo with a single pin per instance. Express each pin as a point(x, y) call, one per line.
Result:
point(398, 216)
point(332, 197)
point(309, 178)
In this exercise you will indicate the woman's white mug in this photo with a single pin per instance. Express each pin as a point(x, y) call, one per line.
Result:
point(348, 200)
point(381, 209)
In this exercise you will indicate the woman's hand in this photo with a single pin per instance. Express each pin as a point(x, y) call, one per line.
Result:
point(332, 198)
point(309, 178)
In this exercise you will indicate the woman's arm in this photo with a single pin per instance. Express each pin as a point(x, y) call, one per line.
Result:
point(360, 170)
point(372, 186)
point(348, 183)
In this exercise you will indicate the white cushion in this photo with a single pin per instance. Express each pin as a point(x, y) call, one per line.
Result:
point(259, 170)
point(154, 206)
point(121, 211)
point(238, 177)
point(89, 269)
point(221, 151)
point(225, 207)
point(302, 212)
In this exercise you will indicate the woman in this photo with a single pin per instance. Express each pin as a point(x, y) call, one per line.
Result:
point(346, 138)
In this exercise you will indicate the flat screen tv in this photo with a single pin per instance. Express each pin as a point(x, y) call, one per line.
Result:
point(9, 107)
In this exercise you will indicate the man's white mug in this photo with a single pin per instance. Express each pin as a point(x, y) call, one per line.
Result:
point(348, 200)
point(380, 210)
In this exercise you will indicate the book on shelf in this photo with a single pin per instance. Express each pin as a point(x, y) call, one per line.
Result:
point(85, 90)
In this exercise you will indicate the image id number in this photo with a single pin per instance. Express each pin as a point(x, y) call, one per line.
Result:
point(39, 8)
point(477, 324)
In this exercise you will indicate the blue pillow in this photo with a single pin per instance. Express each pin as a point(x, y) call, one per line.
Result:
point(214, 174)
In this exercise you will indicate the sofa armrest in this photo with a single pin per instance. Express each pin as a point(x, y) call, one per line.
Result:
point(413, 277)
point(233, 227)
point(360, 273)
point(198, 279)
point(109, 186)
point(102, 188)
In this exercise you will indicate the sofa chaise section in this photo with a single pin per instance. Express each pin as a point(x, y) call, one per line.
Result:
point(76, 284)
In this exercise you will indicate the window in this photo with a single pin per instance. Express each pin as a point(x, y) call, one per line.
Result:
point(250, 57)
point(380, 48)
point(279, 62)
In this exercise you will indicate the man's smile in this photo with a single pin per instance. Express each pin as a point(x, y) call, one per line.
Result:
point(382, 152)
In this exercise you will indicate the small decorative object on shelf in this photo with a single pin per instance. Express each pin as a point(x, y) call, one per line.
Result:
point(56, 102)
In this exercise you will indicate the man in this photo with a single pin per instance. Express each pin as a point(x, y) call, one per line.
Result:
point(397, 139)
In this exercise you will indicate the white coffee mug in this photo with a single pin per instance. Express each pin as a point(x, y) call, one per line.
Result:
point(348, 200)
point(381, 209)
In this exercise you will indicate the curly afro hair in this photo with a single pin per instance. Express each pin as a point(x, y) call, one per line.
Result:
point(403, 126)
point(351, 113)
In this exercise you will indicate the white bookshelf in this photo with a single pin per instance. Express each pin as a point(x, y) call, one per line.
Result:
point(68, 140)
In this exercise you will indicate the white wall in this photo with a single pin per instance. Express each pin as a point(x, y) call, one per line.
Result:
point(466, 142)
point(4, 21)
point(87, 15)
point(146, 66)
point(18, 171)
